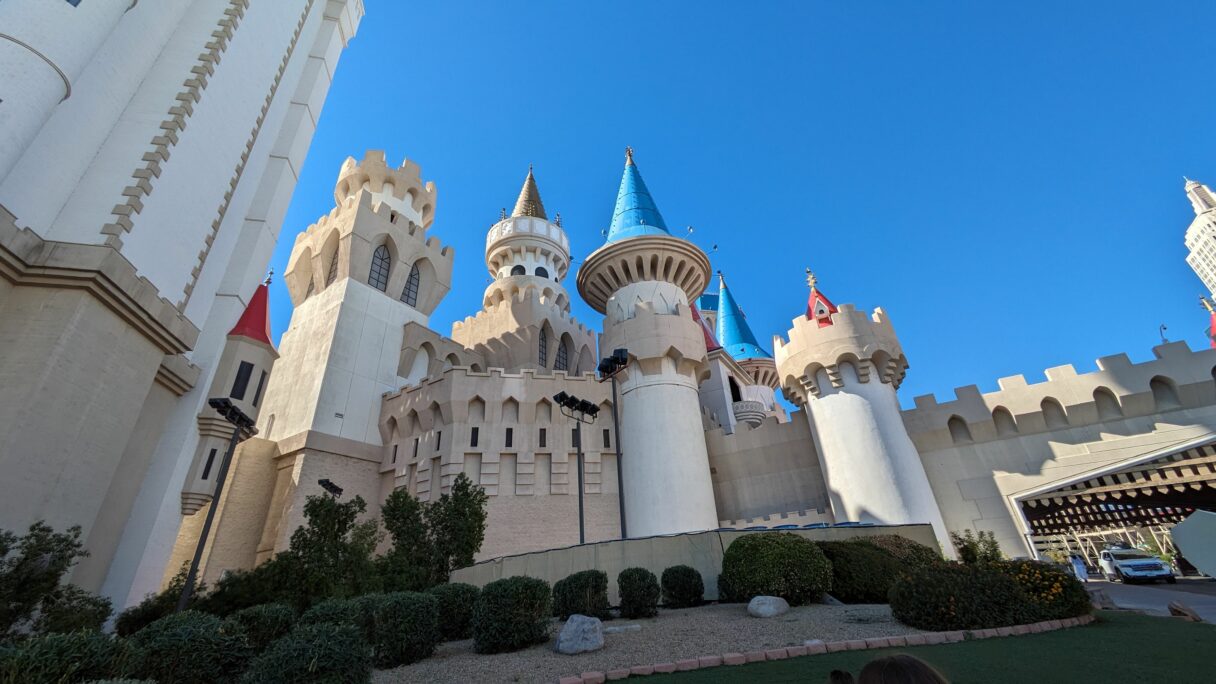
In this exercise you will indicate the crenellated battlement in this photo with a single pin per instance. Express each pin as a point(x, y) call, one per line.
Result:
point(402, 187)
point(866, 341)
point(1177, 378)
point(530, 237)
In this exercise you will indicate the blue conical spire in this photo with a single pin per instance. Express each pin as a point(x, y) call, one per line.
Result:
point(635, 213)
point(733, 332)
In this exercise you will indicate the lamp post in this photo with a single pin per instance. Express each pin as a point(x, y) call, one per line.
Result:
point(582, 411)
point(609, 367)
point(242, 429)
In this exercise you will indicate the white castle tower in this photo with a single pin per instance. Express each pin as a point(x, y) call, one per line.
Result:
point(643, 280)
point(1201, 234)
point(844, 367)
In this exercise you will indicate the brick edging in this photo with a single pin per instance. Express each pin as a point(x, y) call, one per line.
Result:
point(816, 647)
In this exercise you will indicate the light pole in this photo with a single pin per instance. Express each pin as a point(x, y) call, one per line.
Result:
point(242, 429)
point(582, 411)
point(609, 367)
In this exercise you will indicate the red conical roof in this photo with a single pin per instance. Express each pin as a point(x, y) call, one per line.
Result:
point(255, 321)
point(711, 342)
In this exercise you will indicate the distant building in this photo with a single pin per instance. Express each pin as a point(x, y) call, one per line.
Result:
point(1201, 234)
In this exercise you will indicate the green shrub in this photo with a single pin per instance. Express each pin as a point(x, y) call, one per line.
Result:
point(31, 568)
point(72, 609)
point(639, 591)
point(334, 612)
point(980, 547)
point(122, 681)
point(583, 593)
point(511, 614)
point(456, 601)
point(906, 551)
point(58, 658)
point(261, 624)
point(363, 611)
point(157, 606)
point(861, 573)
point(774, 564)
point(189, 648)
point(407, 628)
point(682, 587)
point(1055, 593)
point(953, 596)
point(321, 654)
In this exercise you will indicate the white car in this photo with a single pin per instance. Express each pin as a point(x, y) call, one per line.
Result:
point(1131, 565)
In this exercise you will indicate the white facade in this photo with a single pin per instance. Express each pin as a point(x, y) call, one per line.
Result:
point(1201, 234)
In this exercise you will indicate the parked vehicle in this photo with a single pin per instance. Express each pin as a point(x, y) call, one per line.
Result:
point(1132, 565)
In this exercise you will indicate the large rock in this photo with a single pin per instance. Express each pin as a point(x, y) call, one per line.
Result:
point(767, 606)
point(579, 635)
point(1180, 609)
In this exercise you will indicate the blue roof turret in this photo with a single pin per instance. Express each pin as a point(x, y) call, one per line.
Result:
point(635, 213)
point(734, 334)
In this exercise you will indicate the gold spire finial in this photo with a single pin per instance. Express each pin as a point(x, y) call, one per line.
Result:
point(628, 155)
point(529, 203)
point(811, 279)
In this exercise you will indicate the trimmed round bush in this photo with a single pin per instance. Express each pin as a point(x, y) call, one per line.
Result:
point(333, 612)
point(322, 653)
point(583, 593)
point(261, 624)
point(456, 601)
point(952, 596)
point(363, 612)
point(861, 573)
point(1055, 593)
point(407, 628)
point(906, 551)
point(774, 564)
point(639, 592)
point(188, 648)
point(68, 657)
point(511, 614)
point(683, 587)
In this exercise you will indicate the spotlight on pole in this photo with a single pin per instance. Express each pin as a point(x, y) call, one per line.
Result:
point(330, 487)
point(609, 367)
point(582, 411)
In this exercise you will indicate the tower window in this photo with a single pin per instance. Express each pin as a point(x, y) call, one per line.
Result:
point(510, 437)
point(333, 270)
point(607, 439)
point(207, 465)
point(519, 270)
point(543, 356)
point(242, 380)
point(257, 394)
point(473, 437)
point(395, 453)
point(541, 272)
point(409, 294)
point(541, 442)
point(381, 262)
point(563, 358)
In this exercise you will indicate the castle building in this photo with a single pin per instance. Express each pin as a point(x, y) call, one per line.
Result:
point(173, 133)
point(148, 153)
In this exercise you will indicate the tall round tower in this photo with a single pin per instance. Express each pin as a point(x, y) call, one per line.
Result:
point(642, 280)
point(843, 368)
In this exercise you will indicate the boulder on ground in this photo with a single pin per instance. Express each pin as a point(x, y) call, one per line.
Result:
point(579, 635)
point(767, 606)
point(1180, 609)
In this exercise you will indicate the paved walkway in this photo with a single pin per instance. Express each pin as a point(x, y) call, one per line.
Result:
point(1199, 594)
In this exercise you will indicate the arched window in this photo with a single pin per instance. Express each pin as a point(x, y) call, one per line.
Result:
point(543, 354)
point(735, 394)
point(518, 270)
point(1004, 421)
point(562, 362)
point(959, 432)
point(541, 272)
point(1107, 404)
point(409, 294)
point(1053, 413)
point(381, 261)
point(1164, 393)
point(333, 270)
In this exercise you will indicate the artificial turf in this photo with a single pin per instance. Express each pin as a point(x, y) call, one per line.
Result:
point(1117, 647)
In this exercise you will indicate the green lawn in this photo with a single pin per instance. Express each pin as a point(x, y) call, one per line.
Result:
point(1117, 647)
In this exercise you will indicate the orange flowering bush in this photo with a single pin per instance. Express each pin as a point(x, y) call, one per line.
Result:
point(1056, 593)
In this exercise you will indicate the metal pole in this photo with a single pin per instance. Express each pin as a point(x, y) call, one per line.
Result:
point(620, 487)
point(578, 445)
point(188, 590)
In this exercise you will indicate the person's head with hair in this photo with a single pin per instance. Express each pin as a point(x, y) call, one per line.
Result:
point(900, 669)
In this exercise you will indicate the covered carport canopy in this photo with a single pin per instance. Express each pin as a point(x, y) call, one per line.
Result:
point(1159, 491)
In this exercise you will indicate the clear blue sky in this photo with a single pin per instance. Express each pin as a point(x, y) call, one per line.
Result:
point(1005, 181)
